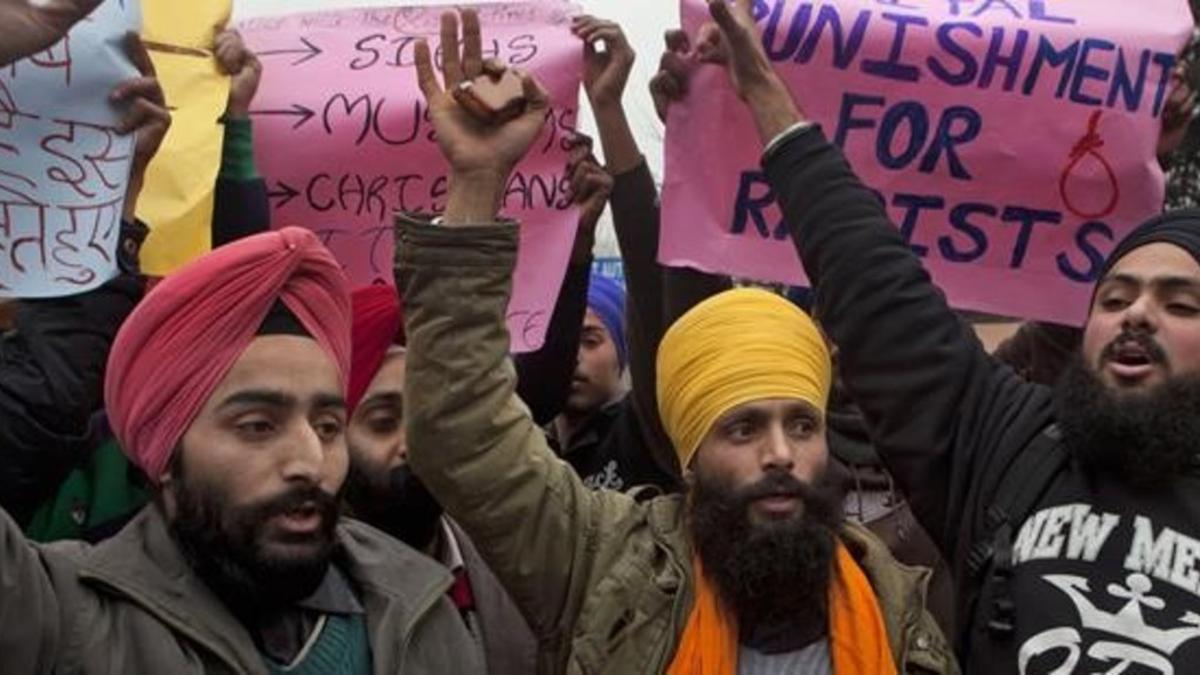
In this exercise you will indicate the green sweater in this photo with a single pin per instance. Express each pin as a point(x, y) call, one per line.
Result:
point(341, 649)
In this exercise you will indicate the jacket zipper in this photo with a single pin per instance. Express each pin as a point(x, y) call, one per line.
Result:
point(423, 608)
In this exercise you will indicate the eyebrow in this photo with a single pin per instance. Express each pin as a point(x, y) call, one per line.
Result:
point(268, 397)
point(329, 401)
point(278, 399)
point(752, 415)
point(1168, 283)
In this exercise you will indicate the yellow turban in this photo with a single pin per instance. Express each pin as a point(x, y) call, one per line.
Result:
point(736, 347)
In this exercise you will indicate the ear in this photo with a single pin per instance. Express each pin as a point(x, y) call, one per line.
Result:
point(166, 496)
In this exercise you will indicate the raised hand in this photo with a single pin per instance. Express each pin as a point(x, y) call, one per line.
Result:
point(734, 43)
point(244, 69)
point(605, 73)
point(146, 115)
point(590, 186)
point(670, 83)
point(30, 26)
point(482, 155)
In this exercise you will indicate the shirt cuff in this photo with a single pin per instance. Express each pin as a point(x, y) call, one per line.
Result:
point(794, 131)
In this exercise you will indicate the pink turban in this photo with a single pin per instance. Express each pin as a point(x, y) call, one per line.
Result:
point(180, 342)
point(378, 324)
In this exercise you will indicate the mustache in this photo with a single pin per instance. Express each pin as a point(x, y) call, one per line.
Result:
point(776, 483)
point(294, 499)
point(1141, 339)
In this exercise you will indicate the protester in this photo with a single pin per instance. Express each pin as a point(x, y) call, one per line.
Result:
point(545, 376)
point(597, 433)
point(381, 487)
point(226, 387)
point(608, 583)
point(52, 364)
point(103, 490)
point(1065, 513)
point(383, 492)
point(871, 495)
point(615, 439)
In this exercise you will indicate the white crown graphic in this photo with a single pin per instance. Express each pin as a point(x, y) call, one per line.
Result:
point(1129, 622)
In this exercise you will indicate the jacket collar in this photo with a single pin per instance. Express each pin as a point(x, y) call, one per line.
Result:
point(144, 564)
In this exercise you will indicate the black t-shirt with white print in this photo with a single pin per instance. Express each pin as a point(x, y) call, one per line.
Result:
point(1106, 580)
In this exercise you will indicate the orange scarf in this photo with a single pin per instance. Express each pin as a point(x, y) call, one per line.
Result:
point(858, 641)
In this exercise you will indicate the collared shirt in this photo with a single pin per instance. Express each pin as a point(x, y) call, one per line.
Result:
point(283, 637)
point(450, 553)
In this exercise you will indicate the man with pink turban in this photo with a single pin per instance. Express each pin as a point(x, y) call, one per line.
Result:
point(226, 387)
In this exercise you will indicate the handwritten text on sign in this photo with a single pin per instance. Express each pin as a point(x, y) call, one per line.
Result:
point(1013, 141)
point(345, 138)
point(63, 168)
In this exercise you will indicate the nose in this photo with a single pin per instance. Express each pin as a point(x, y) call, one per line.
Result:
point(777, 452)
point(1140, 315)
point(305, 455)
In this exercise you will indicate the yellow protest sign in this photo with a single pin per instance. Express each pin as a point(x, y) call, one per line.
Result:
point(177, 201)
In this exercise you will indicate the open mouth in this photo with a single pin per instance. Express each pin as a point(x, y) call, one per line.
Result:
point(779, 503)
point(300, 519)
point(1130, 360)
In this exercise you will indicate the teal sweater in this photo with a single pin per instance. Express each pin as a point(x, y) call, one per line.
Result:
point(342, 649)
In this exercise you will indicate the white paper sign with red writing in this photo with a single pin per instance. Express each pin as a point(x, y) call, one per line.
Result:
point(63, 168)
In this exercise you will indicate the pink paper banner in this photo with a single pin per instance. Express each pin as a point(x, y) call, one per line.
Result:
point(344, 138)
point(1013, 141)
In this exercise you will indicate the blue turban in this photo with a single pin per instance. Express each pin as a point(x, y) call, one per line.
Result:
point(607, 299)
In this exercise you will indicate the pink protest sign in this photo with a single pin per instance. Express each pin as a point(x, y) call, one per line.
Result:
point(344, 138)
point(1013, 141)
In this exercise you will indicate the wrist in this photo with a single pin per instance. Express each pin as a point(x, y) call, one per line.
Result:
point(773, 109)
point(475, 197)
point(132, 191)
point(237, 111)
point(621, 152)
point(607, 106)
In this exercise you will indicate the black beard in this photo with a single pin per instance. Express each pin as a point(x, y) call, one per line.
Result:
point(400, 504)
point(223, 546)
point(774, 576)
point(1145, 439)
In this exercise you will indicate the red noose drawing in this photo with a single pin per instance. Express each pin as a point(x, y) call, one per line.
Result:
point(1090, 144)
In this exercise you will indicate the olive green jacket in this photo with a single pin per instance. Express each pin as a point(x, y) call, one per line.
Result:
point(132, 605)
point(603, 579)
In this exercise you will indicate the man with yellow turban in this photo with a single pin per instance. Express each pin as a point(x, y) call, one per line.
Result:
point(752, 570)
point(226, 387)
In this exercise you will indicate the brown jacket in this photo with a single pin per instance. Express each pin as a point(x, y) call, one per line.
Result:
point(132, 605)
point(604, 580)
